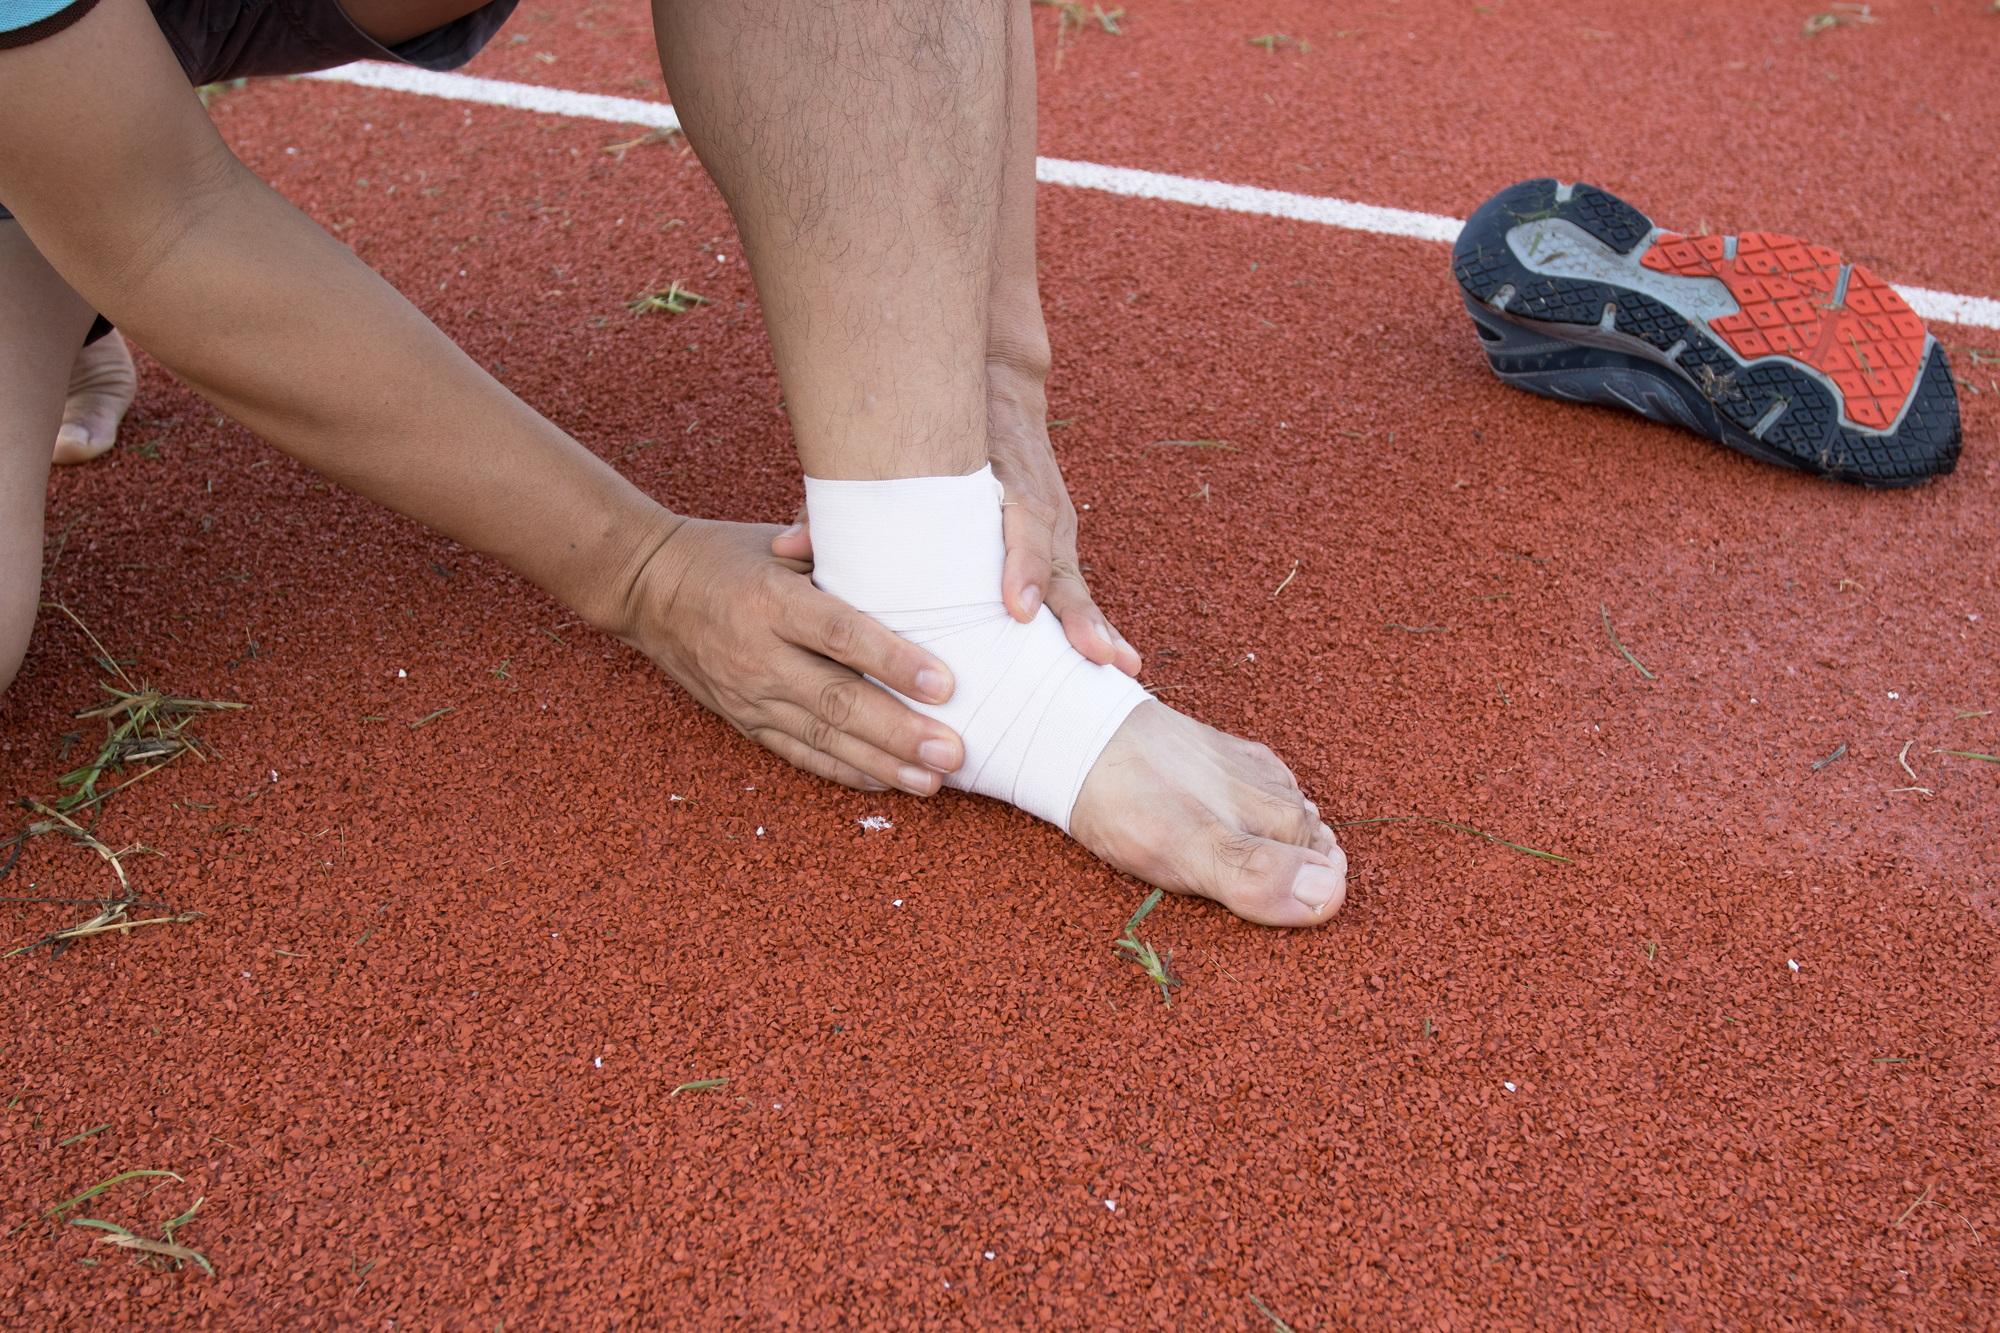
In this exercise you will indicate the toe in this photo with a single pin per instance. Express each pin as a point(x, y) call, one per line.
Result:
point(1268, 881)
point(102, 385)
point(86, 435)
point(1279, 814)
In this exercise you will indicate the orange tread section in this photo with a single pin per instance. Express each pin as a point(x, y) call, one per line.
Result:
point(1871, 345)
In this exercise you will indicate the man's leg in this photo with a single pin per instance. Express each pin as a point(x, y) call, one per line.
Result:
point(42, 322)
point(860, 149)
point(1040, 520)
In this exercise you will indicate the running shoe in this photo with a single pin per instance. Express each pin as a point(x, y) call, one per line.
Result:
point(1767, 344)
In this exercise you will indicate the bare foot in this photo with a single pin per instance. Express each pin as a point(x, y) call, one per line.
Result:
point(1192, 810)
point(102, 385)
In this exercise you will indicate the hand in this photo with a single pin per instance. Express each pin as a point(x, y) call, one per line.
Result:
point(756, 643)
point(1039, 521)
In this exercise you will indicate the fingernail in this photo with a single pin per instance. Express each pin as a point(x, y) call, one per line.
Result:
point(917, 781)
point(1032, 595)
point(1316, 886)
point(938, 754)
point(933, 684)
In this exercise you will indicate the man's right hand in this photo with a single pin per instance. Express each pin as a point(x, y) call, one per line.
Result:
point(754, 641)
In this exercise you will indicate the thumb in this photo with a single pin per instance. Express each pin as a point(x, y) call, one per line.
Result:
point(795, 542)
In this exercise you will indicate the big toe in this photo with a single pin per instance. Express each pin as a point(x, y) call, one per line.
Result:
point(1269, 881)
point(86, 435)
point(102, 385)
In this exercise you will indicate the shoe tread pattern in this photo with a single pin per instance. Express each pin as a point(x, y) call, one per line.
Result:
point(1811, 433)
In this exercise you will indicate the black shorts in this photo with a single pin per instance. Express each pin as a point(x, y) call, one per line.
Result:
point(217, 40)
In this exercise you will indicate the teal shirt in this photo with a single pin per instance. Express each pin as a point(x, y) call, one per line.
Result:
point(24, 21)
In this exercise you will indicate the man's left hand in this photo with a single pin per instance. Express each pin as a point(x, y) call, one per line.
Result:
point(1038, 519)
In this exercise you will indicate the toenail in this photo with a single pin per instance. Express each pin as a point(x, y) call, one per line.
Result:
point(938, 754)
point(1031, 597)
point(1316, 886)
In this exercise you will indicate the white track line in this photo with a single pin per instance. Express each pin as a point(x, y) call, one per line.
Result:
point(1945, 307)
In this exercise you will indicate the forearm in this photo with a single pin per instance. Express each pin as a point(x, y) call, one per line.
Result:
point(1017, 340)
point(284, 329)
point(142, 209)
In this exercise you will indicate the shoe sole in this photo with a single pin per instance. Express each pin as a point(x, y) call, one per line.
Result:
point(1770, 345)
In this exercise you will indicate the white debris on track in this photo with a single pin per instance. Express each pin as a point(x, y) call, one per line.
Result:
point(874, 823)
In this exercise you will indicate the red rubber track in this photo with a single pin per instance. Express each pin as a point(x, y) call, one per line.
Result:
point(1497, 1092)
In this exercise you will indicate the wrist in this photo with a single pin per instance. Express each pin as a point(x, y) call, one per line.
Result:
point(640, 570)
point(1021, 384)
point(1017, 341)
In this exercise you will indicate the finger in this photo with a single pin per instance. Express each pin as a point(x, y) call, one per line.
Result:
point(795, 542)
point(882, 734)
point(815, 734)
point(796, 753)
point(836, 630)
point(1088, 630)
point(1029, 571)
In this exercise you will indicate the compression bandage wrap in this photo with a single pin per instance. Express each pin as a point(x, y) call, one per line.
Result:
point(923, 556)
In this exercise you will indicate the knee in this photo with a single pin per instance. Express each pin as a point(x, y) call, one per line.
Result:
point(13, 648)
point(17, 621)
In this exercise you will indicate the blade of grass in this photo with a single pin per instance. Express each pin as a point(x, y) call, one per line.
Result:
point(1278, 1325)
point(675, 300)
point(1287, 583)
point(172, 1225)
point(79, 1138)
point(127, 1240)
point(1145, 908)
point(1623, 651)
point(104, 656)
point(699, 1085)
point(103, 1185)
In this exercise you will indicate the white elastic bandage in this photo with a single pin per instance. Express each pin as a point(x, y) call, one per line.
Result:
point(923, 556)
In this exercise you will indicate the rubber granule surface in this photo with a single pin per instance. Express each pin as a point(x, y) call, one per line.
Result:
point(418, 1056)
